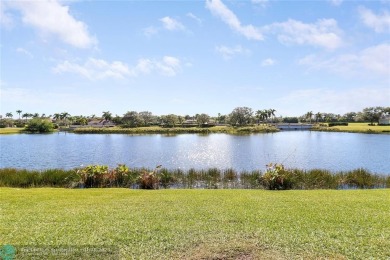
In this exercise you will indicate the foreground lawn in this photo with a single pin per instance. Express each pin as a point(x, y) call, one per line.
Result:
point(11, 130)
point(201, 224)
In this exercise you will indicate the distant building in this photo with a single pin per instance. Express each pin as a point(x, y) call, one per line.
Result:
point(384, 120)
point(100, 123)
point(294, 126)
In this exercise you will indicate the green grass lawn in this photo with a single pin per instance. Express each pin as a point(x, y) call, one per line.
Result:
point(11, 130)
point(201, 224)
point(364, 127)
point(360, 128)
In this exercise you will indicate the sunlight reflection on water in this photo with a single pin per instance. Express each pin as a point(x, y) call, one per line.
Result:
point(305, 150)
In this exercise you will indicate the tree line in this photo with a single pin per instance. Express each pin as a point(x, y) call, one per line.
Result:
point(239, 116)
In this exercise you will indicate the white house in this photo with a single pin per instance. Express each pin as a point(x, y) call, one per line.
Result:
point(384, 120)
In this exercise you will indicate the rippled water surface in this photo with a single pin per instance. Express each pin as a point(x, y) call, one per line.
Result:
point(305, 150)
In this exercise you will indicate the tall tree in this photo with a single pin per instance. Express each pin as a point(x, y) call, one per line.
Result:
point(57, 116)
point(202, 119)
point(146, 117)
point(26, 115)
point(19, 112)
point(131, 119)
point(171, 120)
point(373, 114)
point(309, 115)
point(318, 116)
point(107, 115)
point(240, 116)
point(271, 113)
point(9, 115)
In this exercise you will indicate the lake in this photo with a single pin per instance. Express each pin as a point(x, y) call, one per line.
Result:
point(297, 149)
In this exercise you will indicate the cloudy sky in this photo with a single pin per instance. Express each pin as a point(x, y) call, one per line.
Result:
point(188, 57)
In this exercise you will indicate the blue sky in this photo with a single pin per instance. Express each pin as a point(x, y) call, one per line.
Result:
point(188, 57)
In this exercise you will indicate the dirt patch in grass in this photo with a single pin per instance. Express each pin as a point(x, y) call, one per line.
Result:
point(234, 249)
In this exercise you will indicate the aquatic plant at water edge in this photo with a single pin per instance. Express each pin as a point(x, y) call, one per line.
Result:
point(276, 177)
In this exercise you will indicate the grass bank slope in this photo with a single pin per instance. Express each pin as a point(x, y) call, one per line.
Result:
point(201, 224)
point(11, 130)
point(358, 128)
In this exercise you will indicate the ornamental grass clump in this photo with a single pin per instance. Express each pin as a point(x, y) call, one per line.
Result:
point(276, 177)
point(166, 178)
point(149, 180)
point(250, 180)
point(230, 178)
point(92, 176)
point(360, 178)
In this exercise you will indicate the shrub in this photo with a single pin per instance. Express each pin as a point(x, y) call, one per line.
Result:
point(92, 176)
point(276, 177)
point(38, 125)
point(166, 178)
point(337, 124)
point(359, 178)
point(149, 180)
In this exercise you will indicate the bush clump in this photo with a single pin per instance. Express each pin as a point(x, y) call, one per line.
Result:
point(38, 125)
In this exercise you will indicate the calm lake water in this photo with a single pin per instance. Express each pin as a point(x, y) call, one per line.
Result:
point(304, 150)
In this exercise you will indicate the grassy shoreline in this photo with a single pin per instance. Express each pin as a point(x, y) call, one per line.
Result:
point(351, 128)
point(362, 128)
point(176, 130)
point(100, 176)
point(199, 224)
point(11, 130)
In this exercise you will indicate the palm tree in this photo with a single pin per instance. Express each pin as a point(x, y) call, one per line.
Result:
point(309, 115)
point(9, 115)
point(64, 116)
point(56, 116)
point(107, 115)
point(258, 116)
point(272, 113)
point(26, 115)
point(318, 116)
point(19, 112)
point(264, 115)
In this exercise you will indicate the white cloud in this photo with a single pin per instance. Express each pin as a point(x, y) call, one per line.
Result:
point(324, 33)
point(98, 69)
point(373, 61)
point(95, 69)
point(268, 62)
point(25, 52)
point(262, 3)
point(197, 19)
point(220, 10)
point(5, 18)
point(53, 18)
point(336, 2)
point(228, 52)
point(379, 22)
point(172, 24)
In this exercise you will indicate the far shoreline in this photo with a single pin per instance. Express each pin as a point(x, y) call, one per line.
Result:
point(362, 128)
